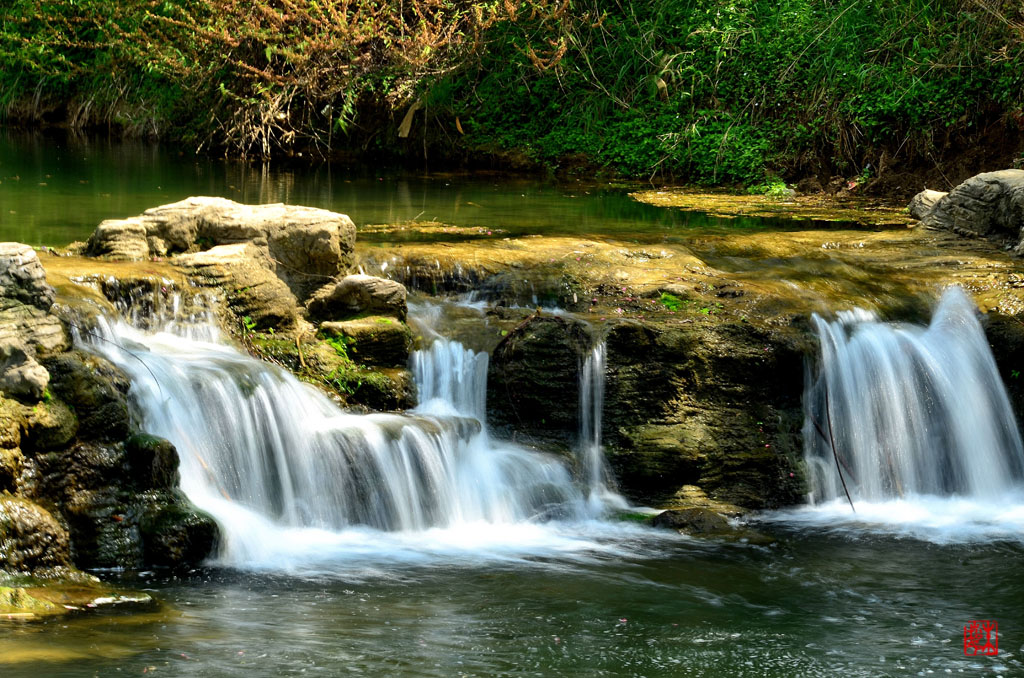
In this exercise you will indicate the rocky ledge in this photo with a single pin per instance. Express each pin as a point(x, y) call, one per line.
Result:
point(80, 485)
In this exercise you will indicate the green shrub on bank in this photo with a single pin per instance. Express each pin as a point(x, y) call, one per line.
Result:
point(708, 91)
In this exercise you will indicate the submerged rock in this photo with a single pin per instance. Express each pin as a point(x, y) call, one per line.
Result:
point(696, 520)
point(988, 205)
point(77, 593)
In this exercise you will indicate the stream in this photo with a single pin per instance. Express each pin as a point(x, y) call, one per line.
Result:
point(445, 552)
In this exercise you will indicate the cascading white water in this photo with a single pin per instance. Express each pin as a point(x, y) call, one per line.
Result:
point(593, 467)
point(913, 411)
point(288, 474)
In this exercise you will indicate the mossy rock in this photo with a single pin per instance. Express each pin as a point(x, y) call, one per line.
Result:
point(31, 539)
point(320, 363)
point(96, 389)
point(372, 340)
point(174, 533)
point(152, 462)
point(50, 425)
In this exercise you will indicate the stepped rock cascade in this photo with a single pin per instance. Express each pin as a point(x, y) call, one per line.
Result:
point(596, 475)
point(913, 410)
point(270, 457)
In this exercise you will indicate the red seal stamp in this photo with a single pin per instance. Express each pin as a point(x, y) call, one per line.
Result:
point(981, 638)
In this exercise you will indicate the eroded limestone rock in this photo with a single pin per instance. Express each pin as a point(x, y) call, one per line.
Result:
point(20, 375)
point(306, 245)
point(253, 290)
point(22, 277)
point(988, 205)
point(355, 294)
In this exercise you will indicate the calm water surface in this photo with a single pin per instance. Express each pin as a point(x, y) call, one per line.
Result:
point(54, 190)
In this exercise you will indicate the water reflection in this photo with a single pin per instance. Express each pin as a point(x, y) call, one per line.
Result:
point(56, 189)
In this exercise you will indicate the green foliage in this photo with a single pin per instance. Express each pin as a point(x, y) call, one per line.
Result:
point(708, 91)
point(773, 187)
point(671, 302)
point(339, 344)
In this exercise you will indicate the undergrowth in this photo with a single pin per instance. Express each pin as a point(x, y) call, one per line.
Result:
point(707, 91)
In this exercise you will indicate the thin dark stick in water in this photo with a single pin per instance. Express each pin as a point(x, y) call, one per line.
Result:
point(824, 436)
point(835, 454)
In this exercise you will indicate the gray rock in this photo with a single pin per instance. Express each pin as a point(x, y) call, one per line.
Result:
point(306, 245)
point(20, 375)
point(22, 277)
point(989, 205)
point(37, 331)
point(924, 202)
point(356, 294)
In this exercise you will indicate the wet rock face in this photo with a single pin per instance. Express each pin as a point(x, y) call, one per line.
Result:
point(355, 294)
point(533, 380)
point(97, 389)
point(989, 205)
point(307, 245)
point(717, 406)
point(110, 500)
point(121, 504)
point(30, 538)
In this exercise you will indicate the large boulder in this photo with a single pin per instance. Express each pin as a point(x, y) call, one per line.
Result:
point(355, 294)
point(306, 245)
point(989, 205)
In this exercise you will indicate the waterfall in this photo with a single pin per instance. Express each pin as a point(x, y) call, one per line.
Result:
point(913, 410)
point(272, 458)
point(594, 470)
